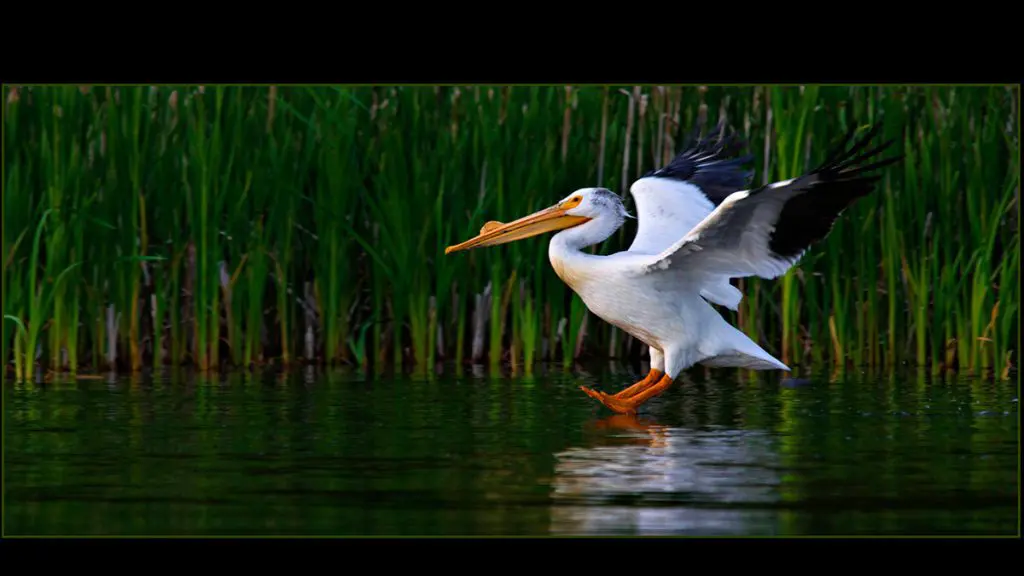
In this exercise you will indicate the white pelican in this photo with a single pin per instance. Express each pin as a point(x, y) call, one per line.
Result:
point(697, 229)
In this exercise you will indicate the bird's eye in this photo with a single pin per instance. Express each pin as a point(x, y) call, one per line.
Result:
point(573, 202)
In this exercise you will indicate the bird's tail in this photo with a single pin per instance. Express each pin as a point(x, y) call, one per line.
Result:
point(733, 349)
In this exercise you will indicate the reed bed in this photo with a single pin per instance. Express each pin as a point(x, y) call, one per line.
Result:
point(226, 226)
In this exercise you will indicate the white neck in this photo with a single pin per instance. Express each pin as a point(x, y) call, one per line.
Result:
point(565, 251)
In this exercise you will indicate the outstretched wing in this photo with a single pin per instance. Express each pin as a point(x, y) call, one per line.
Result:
point(673, 199)
point(765, 231)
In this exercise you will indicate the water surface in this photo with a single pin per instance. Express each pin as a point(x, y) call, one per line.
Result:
point(341, 453)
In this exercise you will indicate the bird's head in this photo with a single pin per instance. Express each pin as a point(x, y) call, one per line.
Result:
point(576, 209)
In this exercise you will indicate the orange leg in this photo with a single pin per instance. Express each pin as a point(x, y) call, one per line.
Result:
point(630, 404)
point(650, 380)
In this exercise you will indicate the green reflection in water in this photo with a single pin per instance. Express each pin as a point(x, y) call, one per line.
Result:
point(343, 454)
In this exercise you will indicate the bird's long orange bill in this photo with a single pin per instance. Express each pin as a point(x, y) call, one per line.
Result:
point(494, 233)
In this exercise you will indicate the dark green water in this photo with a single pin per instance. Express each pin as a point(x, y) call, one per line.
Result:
point(337, 454)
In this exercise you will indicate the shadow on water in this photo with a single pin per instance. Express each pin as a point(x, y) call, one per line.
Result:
point(336, 453)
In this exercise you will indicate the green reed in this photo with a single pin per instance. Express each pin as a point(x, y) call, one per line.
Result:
point(232, 226)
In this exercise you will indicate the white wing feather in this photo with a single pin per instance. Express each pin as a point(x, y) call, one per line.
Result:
point(751, 233)
point(665, 209)
point(676, 198)
point(732, 241)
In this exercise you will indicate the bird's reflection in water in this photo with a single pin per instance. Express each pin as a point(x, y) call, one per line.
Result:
point(638, 477)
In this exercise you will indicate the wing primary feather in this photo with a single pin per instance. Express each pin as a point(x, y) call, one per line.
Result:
point(765, 231)
point(711, 164)
point(674, 198)
point(839, 160)
point(809, 215)
point(837, 154)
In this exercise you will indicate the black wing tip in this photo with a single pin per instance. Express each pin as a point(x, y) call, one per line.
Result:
point(719, 150)
point(723, 140)
point(844, 162)
point(808, 218)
